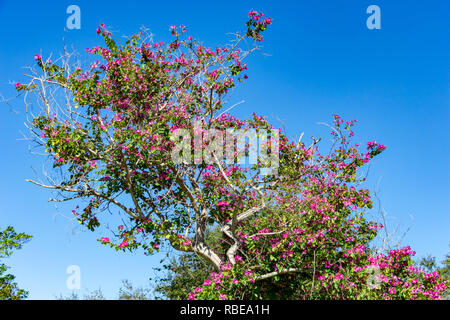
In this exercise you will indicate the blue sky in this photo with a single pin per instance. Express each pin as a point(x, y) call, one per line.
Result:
point(320, 59)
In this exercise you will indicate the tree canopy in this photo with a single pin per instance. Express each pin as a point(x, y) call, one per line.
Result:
point(146, 129)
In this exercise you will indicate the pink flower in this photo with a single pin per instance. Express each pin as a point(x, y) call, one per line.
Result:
point(339, 276)
point(18, 84)
point(37, 57)
point(118, 116)
point(227, 266)
point(104, 240)
point(123, 244)
point(92, 164)
point(207, 282)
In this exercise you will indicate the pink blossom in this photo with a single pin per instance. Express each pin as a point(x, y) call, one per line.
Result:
point(207, 282)
point(191, 296)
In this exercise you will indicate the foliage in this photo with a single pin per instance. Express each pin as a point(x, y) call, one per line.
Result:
point(299, 232)
point(445, 273)
point(428, 263)
point(445, 270)
point(9, 241)
point(129, 292)
point(182, 273)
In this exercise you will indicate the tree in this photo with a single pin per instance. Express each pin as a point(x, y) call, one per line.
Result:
point(292, 221)
point(428, 263)
point(182, 273)
point(445, 273)
point(445, 270)
point(9, 241)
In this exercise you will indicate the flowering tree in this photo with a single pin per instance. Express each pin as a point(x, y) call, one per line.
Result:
point(113, 131)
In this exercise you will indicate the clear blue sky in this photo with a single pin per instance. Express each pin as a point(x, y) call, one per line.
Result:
point(321, 60)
